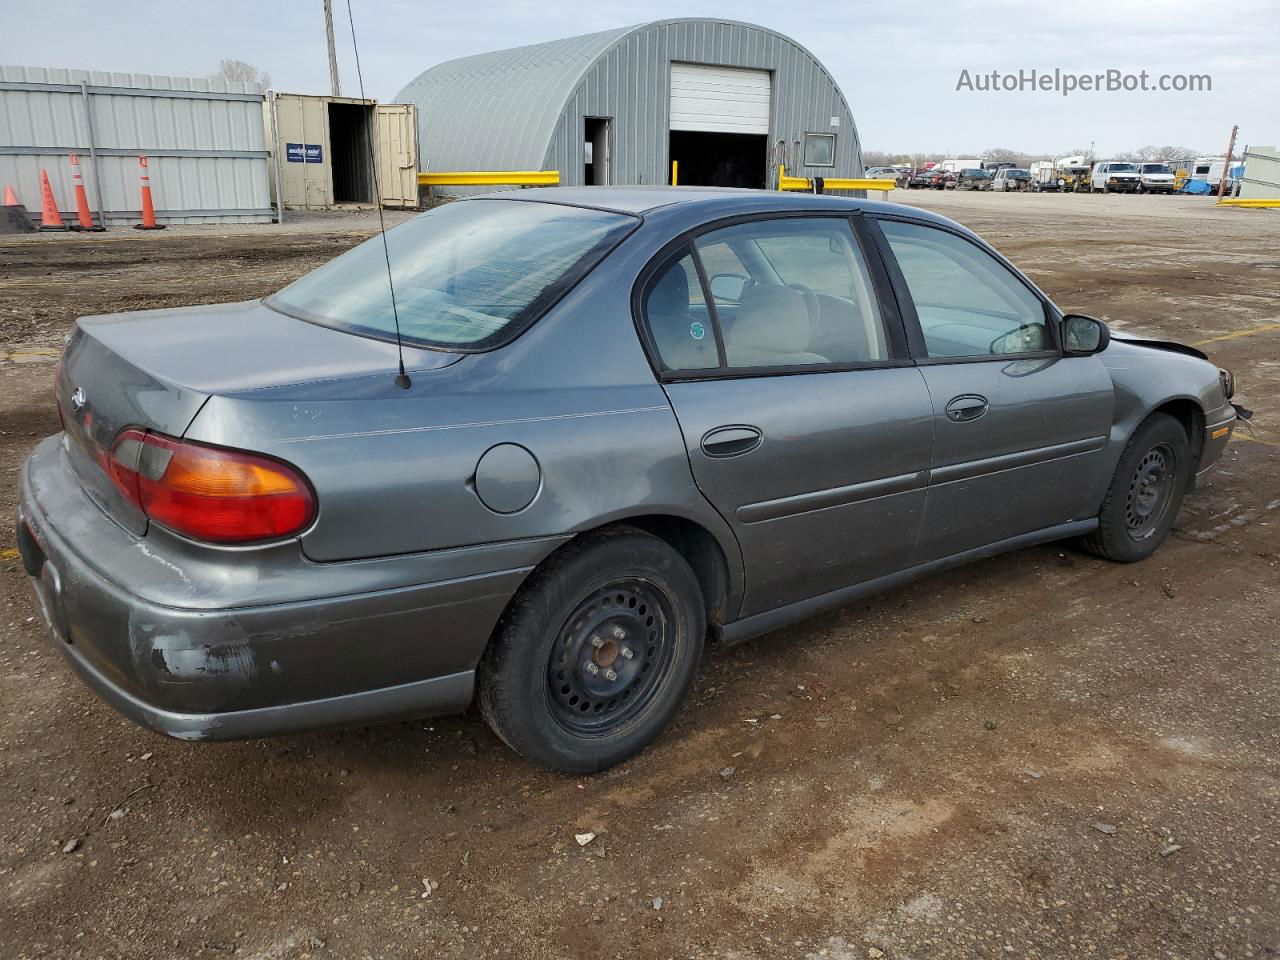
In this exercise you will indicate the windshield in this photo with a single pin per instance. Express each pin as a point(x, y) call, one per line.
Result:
point(1156, 168)
point(468, 275)
point(1122, 168)
point(1017, 174)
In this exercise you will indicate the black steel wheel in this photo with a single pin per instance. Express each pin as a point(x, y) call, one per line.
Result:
point(610, 656)
point(595, 653)
point(1145, 493)
point(1150, 491)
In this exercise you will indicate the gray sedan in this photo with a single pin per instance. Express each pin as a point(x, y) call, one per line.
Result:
point(628, 420)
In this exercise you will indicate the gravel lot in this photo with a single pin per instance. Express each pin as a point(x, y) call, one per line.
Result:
point(1040, 755)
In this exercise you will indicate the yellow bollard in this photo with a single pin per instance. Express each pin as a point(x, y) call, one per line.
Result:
point(675, 173)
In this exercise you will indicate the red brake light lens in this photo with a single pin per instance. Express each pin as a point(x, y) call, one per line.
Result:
point(210, 493)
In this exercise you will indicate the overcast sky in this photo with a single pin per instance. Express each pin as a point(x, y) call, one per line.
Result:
point(897, 61)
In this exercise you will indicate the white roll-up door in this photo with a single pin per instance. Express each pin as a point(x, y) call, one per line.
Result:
point(719, 99)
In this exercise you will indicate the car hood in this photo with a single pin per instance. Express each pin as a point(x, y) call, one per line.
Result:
point(1151, 343)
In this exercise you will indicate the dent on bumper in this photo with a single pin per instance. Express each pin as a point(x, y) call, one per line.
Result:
point(252, 670)
point(437, 695)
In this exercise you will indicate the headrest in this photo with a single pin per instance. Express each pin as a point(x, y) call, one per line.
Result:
point(772, 318)
point(671, 293)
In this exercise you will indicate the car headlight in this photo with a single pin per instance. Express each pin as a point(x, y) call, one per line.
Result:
point(1228, 381)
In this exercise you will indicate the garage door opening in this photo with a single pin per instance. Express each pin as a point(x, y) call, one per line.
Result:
point(350, 137)
point(720, 159)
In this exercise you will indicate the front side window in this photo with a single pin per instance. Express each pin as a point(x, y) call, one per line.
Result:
point(468, 275)
point(969, 304)
point(819, 149)
point(792, 292)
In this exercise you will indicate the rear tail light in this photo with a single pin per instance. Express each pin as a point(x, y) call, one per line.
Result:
point(210, 493)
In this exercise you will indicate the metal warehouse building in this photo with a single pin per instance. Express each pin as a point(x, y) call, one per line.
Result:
point(726, 101)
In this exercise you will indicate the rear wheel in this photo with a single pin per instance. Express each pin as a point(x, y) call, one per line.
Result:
point(1140, 505)
point(595, 653)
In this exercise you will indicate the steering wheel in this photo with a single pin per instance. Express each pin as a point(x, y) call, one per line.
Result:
point(810, 301)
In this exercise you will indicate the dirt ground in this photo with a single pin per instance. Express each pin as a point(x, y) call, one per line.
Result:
point(1040, 755)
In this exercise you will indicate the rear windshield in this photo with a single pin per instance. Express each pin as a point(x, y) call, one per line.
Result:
point(468, 275)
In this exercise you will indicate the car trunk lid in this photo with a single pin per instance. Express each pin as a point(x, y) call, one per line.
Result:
point(155, 369)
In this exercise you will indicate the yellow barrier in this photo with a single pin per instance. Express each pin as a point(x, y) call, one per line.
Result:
point(833, 183)
point(1257, 203)
point(491, 178)
point(675, 173)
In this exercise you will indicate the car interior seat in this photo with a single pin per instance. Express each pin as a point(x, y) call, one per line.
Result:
point(771, 329)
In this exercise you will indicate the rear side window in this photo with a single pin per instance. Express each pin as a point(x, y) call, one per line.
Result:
point(468, 275)
point(679, 321)
point(969, 304)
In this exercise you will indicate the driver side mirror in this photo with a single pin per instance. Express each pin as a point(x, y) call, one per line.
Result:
point(1082, 336)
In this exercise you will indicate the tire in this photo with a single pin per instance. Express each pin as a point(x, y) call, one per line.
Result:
point(618, 601)
point(1136, 516)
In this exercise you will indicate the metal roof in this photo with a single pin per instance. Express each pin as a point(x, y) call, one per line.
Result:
point(521, 93)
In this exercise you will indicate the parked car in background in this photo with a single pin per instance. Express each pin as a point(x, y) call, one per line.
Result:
point(1113, 176)
point(1155, 178)
point(883, 173)
point(931, 179)
point(1011, 179)
point(973, 178)
point(625, 419)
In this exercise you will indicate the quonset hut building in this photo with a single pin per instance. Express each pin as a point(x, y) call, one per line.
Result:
point(727, 101)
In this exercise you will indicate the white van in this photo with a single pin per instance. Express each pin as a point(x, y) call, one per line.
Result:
point(1115, 176)
point(1155, 178)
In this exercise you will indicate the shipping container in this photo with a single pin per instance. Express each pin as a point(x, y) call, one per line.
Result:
point(333, 152)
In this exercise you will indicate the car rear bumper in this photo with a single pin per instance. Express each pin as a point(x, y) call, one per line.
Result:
point(204, 672)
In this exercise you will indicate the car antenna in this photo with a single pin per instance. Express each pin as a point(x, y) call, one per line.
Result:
point(402, 378)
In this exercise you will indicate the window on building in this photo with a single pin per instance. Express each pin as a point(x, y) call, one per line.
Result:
point(819, 149)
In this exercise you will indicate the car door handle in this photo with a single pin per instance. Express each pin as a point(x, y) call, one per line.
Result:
point(970, 406)
point(731, 441)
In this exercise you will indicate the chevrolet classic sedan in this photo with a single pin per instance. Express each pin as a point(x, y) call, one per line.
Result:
point(630, 421)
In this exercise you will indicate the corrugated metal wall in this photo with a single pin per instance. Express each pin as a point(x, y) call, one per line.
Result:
point(1261, 174)
point(630, 83)
point(203, 139)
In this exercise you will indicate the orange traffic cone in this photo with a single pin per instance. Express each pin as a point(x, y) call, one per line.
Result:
point(10, 198)
point(148, 210)
point(50, 218)
point(83, 217)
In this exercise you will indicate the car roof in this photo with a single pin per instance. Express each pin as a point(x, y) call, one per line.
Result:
point(689, 205)
point(713, 201)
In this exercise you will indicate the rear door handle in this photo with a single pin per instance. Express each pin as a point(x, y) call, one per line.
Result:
point(731, 441)
point(967, 407)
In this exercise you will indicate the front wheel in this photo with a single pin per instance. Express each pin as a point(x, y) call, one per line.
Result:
point(1144, 496)
point(595, 653)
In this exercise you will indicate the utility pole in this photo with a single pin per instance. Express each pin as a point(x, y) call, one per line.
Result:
point(1226, 167)
point(334, 87)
